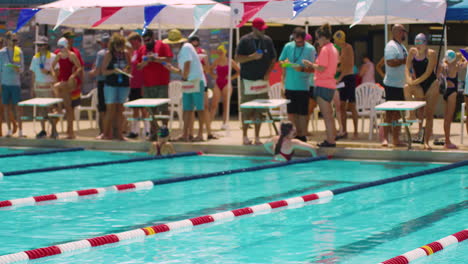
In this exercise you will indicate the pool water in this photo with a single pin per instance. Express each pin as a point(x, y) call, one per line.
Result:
point(364, 226)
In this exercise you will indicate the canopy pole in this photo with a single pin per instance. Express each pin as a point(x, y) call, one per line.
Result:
point(307, 27)
point(36, 36)
point(121, 31)
point(386, 23)
point(238, 81)
point(159, 31)
point(228, 102)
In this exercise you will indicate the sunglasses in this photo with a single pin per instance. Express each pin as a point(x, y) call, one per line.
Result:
point(14, 40)
point(419, 42)
point(60, 47)
point(147, 39)
point(41, 45)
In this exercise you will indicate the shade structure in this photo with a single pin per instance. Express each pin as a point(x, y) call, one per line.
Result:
point(176, 14)
point(338, 12)
point(458, 11)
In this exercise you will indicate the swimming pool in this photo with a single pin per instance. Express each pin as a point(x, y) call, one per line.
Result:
point(365, 226)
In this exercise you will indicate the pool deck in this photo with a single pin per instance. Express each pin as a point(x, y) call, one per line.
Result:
point(231, 144)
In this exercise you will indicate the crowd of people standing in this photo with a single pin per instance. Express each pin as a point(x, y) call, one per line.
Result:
point(319, 69)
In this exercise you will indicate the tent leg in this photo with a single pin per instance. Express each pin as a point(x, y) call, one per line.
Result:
point(238, 80)
point(229, 78)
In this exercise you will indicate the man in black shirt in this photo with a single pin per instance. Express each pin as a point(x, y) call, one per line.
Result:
point(256, 55)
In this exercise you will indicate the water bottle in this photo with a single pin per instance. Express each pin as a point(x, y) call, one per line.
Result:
point(41, 66)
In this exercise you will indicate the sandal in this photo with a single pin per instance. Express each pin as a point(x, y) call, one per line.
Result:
point(439, 142)
point(338, 137)
point(326, 144)
point(419, 139)
point(212, 136)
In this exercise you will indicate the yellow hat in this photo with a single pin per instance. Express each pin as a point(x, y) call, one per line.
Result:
point(174, 37)
point(339, 36)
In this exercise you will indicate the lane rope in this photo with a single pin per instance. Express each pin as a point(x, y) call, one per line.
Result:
point(72, 195)
point(188, 224)
point(42, 152)
point(428, 249)
point(95, 164)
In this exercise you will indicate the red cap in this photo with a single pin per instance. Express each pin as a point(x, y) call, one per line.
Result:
point(259, 24)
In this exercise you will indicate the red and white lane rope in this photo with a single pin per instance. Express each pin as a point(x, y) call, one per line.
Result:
point(66, 196)
point(183, 225)
point(428, 249)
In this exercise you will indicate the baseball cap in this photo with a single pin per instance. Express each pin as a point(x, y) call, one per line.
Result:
point(259, 24)
point(308, 36)
point(105, 37)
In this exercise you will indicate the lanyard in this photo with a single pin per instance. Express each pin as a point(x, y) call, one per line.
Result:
point(299, 56)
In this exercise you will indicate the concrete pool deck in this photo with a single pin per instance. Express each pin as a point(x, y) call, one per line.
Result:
point(231, 144)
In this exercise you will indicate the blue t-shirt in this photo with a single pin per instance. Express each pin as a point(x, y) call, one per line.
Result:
point(395, 76)
point(297, 81)
point(99, 59)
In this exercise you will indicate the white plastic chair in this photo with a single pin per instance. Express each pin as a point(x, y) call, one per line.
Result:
point(368, 95)
point(175, 105)
point(276, 91)
point(463, 118)
point(89, 109)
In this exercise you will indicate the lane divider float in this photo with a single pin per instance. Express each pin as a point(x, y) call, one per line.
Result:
point(69, 196)
point(188, 224)
point(42, 152)
point(183, 225)
point(428, 249)
point(95, 164)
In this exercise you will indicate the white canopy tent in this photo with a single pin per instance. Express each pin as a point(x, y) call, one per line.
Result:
point(177, 14)
point(336, 12)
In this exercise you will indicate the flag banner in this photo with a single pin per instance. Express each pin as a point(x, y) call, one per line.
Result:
point(301, 5)
point(24, 16)
point(200, 12)
point(250, 10)
point(64, 13)
point(362, 7)
point(106, 13)
point(150, 13)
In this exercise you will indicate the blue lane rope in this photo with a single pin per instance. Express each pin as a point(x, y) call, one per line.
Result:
point(103, 163)
point(33, 153)
point(399, 178)
point(227, 172)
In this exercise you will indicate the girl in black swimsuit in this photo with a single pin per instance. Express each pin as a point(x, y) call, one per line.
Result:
point(450, 71)
point(422, 83)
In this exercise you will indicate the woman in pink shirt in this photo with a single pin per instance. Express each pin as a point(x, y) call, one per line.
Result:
point(325, 83)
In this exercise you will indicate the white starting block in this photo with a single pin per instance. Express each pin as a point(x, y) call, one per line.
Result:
point(150, 104)
point(266, 104)
point(401, 106)
point(39, 102)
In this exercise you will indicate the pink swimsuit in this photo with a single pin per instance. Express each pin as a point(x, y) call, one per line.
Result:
point(222, 73)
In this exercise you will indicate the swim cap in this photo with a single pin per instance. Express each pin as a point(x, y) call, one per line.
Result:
point(339, 36)
point(62, 42)
point(450, 56)
point(420, 38)
point(163, 132)
point(308, 37)
point(222, 47)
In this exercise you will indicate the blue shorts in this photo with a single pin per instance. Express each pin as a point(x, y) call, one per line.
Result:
point(11, 94)
point(193, 101)
point(116, 94)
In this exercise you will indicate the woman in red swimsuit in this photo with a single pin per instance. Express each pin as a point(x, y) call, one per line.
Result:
point(284, 145)
point(68, 73)
point(219, 72)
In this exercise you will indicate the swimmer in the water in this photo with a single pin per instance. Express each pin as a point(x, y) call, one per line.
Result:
point(284, 145)
point(162, 146)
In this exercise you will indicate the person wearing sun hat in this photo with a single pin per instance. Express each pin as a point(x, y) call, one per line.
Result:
point(43, 76)
point(256, 55)
point(194, 81)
